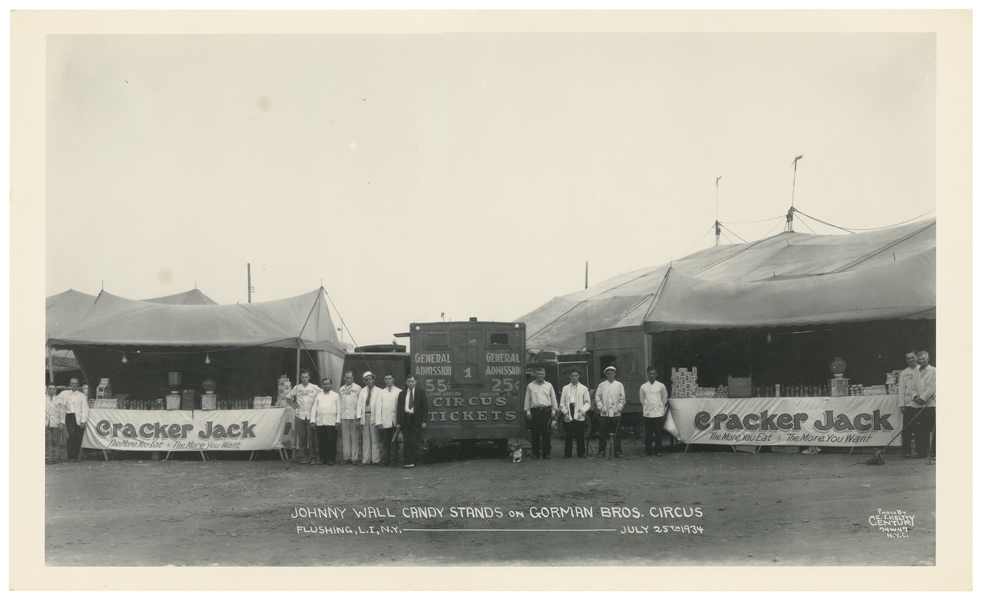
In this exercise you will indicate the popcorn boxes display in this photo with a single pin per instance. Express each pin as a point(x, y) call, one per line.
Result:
point(684, 382)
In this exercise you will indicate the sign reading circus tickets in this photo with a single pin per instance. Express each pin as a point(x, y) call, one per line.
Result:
point(181, 430)
point(848, 421)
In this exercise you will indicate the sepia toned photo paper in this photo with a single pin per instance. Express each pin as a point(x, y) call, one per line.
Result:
point(739, 239)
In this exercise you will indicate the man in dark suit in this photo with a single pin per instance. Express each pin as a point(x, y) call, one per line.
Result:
point(411, 418)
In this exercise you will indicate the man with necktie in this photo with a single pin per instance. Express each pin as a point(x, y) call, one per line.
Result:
point(411, 417)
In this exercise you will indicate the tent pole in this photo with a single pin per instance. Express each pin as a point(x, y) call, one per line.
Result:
point(297, 380)
point(51, 366)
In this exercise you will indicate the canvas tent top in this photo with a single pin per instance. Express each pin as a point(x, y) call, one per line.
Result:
point(300, 321)
point(64, 310)
point(194, 296)
point(786, 279)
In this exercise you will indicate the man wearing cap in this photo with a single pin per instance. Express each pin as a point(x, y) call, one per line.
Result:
point(574, 404)
point(610, 399)
point(540, 408)
point(370, 448)
point(302, 397)
point(411, 418)
point(654, 404)
point(350, 425)
point(324, 415)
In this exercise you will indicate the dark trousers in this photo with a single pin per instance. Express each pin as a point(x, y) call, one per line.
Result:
point(573, 429)
point(390, 449)
point(410, 444)
point(908, 434)
point(327, 443)
point(75, 432)
point(653, 427)
point(608, 425)
point(922, 432)
point(541, 438)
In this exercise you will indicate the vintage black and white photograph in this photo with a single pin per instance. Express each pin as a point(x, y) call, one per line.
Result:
point(492, 296)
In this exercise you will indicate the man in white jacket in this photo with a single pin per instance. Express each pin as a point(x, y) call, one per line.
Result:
point(385, 417)
point(610, 400)
point(325, 416)
point(367, 397)
point(654, 405)
point(574, 404)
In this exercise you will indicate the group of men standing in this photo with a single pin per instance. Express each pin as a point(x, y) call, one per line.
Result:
point(369, 419)
point(542, 408)
point(64, 413)
point(916, 395)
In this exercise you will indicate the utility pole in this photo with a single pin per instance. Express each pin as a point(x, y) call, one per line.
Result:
point(717, 210)
point(586, 276)
point(249, 281)
point(789, 226)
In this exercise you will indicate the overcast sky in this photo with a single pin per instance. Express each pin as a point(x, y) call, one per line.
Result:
point(470, 174)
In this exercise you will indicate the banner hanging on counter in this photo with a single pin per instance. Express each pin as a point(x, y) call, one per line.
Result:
point(182, 430)
point(846, 421)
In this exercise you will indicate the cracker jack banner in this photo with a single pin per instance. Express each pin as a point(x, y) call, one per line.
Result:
point(848, 421)
point(185, 430)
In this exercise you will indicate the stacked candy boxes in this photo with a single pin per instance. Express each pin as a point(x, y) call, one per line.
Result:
point(262, 402)
point(892, 378)
point(684, 382)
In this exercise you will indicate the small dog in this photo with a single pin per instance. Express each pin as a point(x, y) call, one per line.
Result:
point(516, 453)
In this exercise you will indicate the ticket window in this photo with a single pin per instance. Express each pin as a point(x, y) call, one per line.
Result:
point(467, 354)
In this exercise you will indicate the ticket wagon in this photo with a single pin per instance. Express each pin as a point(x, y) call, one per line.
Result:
point(474, 376)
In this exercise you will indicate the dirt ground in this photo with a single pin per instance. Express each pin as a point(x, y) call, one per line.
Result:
point(740, 508)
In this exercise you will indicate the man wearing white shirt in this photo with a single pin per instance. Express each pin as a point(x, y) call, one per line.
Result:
point(386, 418)
point(610, 399)
point(301, 397)
point(906, 390)
point(654, 404)
point(367, 398)
point(925, 397)
point(574, 404)
point(325, 415)
point(76, 414)
point(540, 408)
point(54, 425)
point(350, 426)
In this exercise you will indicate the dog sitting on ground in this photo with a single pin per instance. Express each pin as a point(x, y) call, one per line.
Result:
point(516, 453)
